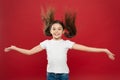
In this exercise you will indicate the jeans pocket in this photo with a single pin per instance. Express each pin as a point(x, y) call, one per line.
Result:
point(65, 76)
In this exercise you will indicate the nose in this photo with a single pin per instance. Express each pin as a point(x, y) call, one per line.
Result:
point(56, 31)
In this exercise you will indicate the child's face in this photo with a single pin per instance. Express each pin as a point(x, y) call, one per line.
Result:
point(56, 31)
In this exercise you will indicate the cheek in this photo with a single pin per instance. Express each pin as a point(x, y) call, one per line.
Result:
point(51, 31)
point(60, 31)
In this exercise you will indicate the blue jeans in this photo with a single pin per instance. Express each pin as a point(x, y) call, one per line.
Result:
point(57, 76)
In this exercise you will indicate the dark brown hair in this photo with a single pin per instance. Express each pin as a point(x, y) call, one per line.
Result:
point(68, 24)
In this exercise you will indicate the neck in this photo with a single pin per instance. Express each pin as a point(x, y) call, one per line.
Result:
point(57, 38)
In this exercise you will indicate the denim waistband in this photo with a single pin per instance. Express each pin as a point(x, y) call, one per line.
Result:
point(56, 73)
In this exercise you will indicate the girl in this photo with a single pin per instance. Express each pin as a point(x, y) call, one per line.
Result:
point(56, 47)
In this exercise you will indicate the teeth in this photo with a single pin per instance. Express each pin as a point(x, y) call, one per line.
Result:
point(56, 34)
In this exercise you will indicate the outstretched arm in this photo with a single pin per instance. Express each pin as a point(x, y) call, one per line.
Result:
point(34, 50)
point(92, 49)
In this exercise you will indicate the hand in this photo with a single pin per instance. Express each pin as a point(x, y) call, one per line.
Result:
point(9, 48)
point(110, 55)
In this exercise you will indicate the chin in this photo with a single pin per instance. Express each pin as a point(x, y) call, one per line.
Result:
point(57, 38)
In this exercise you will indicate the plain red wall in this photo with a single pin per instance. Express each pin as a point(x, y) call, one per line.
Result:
point(98, 25)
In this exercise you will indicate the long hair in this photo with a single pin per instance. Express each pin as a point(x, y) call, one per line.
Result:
point(47, 18)
point(68, 24)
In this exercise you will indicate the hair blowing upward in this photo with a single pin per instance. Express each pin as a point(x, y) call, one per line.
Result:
point(68, 24)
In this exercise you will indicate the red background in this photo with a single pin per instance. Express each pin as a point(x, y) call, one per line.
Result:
point(97, 25)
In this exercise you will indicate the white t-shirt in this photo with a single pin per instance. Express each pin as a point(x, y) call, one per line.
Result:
point(57, 54)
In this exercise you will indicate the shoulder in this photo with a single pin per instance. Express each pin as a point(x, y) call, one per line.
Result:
point(69, 41)
point(44, 42)
point(47, 40)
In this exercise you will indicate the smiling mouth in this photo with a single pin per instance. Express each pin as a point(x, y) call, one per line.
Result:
point(56, 34)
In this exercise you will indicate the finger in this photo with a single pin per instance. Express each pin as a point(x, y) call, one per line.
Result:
point(113, 58)
point(6, 49)
point(113, 54)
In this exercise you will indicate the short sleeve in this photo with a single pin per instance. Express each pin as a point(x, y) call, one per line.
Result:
point(44, 44)
point(69, 44)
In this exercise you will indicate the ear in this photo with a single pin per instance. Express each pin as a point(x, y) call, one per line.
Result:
point(50, 31)
point(63, 32)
